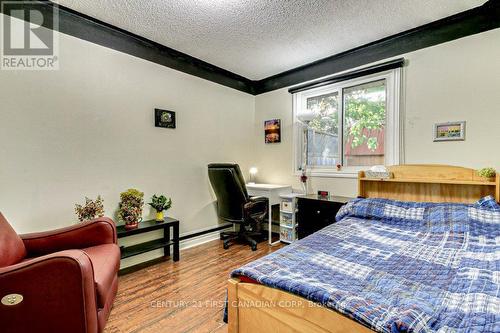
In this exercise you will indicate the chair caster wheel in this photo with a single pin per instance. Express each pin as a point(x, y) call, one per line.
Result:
point(254, 247)
point(226, 246)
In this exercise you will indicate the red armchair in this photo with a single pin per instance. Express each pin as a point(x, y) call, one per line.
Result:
point(67, 278)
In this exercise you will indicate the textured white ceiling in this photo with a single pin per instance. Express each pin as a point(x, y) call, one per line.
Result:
point(259, 38)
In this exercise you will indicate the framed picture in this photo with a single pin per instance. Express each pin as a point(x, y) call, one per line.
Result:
point(164, 118)
point(272, 131)
point(452, 131)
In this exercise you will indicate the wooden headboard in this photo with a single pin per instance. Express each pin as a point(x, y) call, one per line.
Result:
point(430, 183)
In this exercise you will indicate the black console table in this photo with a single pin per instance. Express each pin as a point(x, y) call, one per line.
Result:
point(315, 212)
point(170, 238)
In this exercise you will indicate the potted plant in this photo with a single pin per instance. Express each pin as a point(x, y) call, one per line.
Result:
point(90, 210)
point(130, 208)
point(487, 173)
point(160, 203)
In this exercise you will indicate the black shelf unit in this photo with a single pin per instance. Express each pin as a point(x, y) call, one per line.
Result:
point(134, 250)
point(170, 239)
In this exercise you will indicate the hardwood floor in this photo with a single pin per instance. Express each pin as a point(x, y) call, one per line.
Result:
point(184, 296)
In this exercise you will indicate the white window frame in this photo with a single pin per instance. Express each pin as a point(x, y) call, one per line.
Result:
point(393, 135)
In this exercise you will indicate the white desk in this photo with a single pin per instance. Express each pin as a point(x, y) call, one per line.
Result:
point(272, 192)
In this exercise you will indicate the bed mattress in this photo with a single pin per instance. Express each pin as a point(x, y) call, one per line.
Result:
point(398, 266)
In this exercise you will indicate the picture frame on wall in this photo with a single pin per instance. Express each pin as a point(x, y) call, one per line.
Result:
point(450, 131)
point(164, 118)
point(272, 131)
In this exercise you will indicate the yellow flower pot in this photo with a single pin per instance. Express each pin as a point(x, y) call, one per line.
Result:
point(159, 216)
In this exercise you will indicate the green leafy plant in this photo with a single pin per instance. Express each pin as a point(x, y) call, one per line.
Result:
point(90, 210)
point(130, 207)
point(487, 172)
point(160, 203)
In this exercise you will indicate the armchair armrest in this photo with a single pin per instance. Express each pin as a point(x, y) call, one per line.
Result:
point(256, 205)
point(96, 232)
point(258, 199)
point(58, 294)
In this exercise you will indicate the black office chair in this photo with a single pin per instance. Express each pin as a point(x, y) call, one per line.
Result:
point(235, 206)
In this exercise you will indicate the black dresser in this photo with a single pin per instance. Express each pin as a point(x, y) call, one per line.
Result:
point(315, 212)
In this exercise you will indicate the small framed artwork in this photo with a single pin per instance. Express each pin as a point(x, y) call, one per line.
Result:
point(452, 131)
point(164, 118)
point(272, 131)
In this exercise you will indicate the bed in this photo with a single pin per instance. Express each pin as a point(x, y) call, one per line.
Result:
point(428, 265)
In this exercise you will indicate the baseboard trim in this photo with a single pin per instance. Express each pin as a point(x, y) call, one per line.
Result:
point(202, 237)
point(202, 232)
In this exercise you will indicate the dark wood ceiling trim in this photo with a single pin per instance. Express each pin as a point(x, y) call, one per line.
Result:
point(90, 29)
point(473, 21)
point(396, 63)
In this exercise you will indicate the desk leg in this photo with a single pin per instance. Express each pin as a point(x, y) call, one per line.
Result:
point(270, 240)
point(270, 227)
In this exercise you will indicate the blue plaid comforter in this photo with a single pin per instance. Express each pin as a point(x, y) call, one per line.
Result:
point(398, 266)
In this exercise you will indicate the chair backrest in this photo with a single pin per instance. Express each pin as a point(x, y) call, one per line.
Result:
point(12, 249)
point(229, 187)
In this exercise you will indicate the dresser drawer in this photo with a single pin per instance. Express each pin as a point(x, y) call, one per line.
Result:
point(314, 215)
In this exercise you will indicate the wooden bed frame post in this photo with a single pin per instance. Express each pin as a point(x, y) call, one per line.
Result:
point(361, 189)
point(497, 191)
point(232, 305)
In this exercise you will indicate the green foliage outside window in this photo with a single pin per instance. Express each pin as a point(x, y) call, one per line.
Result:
point(364, 108)
point(327, 119)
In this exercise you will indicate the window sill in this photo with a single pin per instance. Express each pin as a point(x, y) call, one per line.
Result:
point(353, 174)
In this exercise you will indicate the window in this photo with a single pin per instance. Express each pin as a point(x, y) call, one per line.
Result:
point(364, 123)
point(355, 125)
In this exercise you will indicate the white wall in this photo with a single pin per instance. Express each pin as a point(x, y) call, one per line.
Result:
point(88, 129)
point(458, 80)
